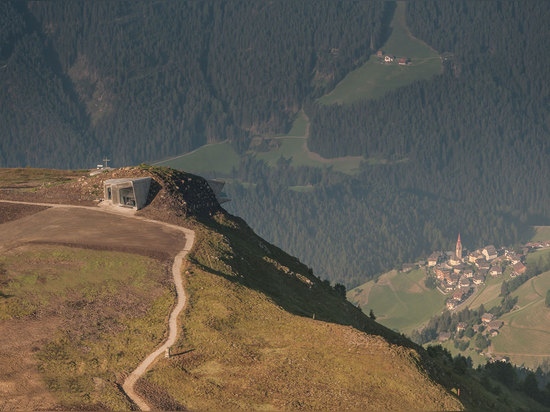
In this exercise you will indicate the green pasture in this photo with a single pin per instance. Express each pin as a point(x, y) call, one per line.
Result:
point(538, 255)
point(374, 79)
point(541, 233)
point(488, 293)
point(293, 147)
point(525, 336)
point(400, 300)
point(218, 157)
point(401, 42)
point(221, 157)
point(477, 359)
point(299, 127)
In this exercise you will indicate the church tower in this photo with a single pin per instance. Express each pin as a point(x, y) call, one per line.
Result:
point(458, 248)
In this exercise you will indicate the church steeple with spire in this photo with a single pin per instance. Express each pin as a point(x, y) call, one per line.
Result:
point(459, 248)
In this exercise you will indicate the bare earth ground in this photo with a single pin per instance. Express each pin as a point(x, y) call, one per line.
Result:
point(96, 230)
point(21, 386)
point(13, 211)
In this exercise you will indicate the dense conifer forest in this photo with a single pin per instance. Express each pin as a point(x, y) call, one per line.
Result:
point(466, 151)
point(470, 150)
point(140, 80)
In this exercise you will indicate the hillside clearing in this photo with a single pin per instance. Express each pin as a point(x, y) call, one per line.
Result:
point(374, 79)
point(541, 233)
point(220, 158)
point(216, 157)
point(399, 300)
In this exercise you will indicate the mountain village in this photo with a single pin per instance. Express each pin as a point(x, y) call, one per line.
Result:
point(459, 273)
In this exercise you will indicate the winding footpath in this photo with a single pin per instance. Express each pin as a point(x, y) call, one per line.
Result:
point(131, 380)
point(133, 377)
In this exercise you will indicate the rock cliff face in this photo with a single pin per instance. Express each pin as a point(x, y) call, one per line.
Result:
point(183, 193)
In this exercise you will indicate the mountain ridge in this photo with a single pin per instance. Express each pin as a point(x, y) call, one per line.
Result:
point(258, 323)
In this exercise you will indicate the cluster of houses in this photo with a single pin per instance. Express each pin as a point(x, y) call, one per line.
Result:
point(488, 326)
point(458, 274)
point(545, 244)
point(388, 58)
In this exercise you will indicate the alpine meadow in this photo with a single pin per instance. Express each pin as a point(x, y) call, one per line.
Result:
point(274, 205)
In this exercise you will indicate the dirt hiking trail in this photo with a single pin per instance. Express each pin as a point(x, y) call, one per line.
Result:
point(108, 228)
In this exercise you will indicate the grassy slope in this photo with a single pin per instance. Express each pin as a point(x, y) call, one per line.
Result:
point(218, 157)
point(27, 178)
point(400, 300)
point(251, 341)
point(250, 337)
point(221, 157)
point(112, 307)
point(375, 79)
point(488, 293)
point(541, 233)
point(525, 336)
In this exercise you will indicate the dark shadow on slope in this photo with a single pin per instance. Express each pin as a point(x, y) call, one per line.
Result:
point(260, 266)
point(389, 11)
point(289, 283)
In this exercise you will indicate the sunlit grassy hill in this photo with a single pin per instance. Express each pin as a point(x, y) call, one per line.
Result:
point(260, 330)
point(399, 300)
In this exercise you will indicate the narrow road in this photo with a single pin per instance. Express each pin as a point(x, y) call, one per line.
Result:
point(133, 377)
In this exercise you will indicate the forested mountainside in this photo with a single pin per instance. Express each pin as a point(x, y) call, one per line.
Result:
point(479, 132)
point(137, 80)
point(467, 151)
point(350, 228)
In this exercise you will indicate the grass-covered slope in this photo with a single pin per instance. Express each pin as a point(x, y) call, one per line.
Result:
point(375, 78)
point(260, 331)
point(73, 322)
point(525, 336)
point(400, 300)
